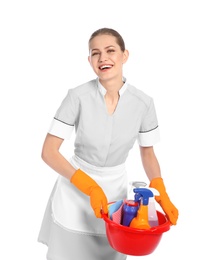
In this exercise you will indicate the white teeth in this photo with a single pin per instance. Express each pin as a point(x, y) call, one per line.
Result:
point(105, 67)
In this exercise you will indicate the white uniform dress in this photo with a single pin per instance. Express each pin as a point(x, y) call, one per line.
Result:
point(103, 141)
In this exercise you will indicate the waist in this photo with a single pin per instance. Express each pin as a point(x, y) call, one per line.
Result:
point(79, 163)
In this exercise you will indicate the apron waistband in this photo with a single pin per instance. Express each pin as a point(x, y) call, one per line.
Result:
point(83, 165)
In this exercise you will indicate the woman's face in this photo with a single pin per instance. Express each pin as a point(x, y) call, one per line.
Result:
point(106, 58)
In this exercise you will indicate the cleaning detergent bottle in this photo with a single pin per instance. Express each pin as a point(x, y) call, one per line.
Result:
point(130, 209)
point(141, 221)
point(152, 213)
point(153, 218)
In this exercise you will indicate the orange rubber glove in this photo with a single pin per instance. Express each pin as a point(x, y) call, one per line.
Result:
point(88, 186)
point(170, 210)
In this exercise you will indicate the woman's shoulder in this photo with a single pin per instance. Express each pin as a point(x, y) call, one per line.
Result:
point(84, 88)
point(139, 94)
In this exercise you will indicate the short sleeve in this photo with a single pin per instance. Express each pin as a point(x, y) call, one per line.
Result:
point(64, 121)
point(149, 130)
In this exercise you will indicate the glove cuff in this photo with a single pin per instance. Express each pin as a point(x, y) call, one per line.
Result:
point(158, 184)
point(83, 182)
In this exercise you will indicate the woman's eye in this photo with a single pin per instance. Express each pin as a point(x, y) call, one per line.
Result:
point(95, 53)
point(111, 50)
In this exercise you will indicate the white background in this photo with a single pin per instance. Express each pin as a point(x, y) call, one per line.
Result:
point(43, 52)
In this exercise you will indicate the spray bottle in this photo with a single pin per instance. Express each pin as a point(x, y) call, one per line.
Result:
point(153, 218)
point(132, 186)
point(141, 221)
point(147, 214)
point(152, 213)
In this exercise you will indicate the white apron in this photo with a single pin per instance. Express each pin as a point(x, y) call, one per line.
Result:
point(71, 208)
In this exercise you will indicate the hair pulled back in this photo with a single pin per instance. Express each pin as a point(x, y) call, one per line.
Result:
point(112, 32)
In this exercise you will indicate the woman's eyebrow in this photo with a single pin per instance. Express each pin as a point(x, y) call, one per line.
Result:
point(96, 49)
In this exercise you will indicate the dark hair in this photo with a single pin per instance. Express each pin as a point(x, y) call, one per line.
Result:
point(112, 32)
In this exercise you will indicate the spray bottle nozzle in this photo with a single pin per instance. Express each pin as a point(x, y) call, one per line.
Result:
point(143, 193)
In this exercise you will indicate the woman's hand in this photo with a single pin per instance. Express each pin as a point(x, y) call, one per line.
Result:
point(88, 186)
point(152, 169)
point(168, 207)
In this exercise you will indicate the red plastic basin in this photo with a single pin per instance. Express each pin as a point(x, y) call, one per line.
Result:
point(136, 242)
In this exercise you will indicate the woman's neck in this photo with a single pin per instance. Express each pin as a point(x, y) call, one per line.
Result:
point(112, 88)
point(112, 94)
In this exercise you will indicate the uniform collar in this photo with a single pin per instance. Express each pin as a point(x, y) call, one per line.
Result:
point(103, 90)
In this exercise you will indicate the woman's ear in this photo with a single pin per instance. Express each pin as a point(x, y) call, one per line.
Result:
point(125, 56)
point(89, 60)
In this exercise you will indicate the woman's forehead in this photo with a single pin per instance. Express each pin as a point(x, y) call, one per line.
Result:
point(103, 41)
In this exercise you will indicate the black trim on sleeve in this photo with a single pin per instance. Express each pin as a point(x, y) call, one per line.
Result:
point(63, 122)
point(148, 130)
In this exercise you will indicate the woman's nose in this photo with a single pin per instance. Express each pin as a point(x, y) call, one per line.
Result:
point(103, 57)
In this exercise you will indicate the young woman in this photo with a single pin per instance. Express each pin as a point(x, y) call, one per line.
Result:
point(108, 115)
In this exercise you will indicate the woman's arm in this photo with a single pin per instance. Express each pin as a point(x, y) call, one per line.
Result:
point(150, 162)
point(152, 169)
point(52, 157)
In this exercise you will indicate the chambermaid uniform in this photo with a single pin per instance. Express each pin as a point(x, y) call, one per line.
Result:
point(102, 143)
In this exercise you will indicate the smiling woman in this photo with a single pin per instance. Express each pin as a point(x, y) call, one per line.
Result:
point(107, 56)
point(109, 115)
